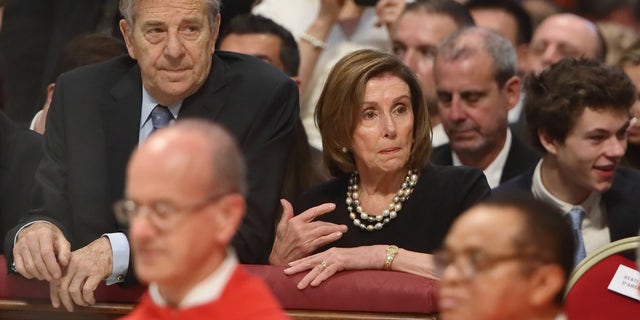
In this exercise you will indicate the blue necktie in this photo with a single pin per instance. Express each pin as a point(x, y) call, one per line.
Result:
point(160, 117)
point(575, 217)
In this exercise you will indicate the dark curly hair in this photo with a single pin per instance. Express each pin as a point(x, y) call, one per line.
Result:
point(556, 98)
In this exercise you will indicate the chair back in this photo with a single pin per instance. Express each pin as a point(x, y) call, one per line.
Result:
point(587, 295)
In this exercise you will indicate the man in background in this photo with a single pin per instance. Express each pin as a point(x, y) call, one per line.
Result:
point(578, 113)
point(82, 50)
point(510, 20)
point(101, 112)
point(264, 39)
point(416, 35)
point(477, 84)
point(564, 35)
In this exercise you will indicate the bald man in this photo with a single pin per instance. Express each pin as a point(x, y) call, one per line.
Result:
point(564, 35)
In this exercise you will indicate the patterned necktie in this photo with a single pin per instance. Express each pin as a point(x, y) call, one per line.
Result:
point(160, 117)
point(575, 217)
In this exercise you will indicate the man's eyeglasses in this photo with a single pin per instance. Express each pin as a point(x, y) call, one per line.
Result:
point(164, 215)
point(471, 262)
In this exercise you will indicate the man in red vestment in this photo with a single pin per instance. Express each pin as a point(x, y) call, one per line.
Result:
point(185, 198)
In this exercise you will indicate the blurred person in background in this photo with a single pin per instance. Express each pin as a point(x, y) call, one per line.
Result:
point(509, 19)
point(326, 31)
point(565, 35)
point(416, 35)
point(262, 38)
point(630, 62)
point(81, 50)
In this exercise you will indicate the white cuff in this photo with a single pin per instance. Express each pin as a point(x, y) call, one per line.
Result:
point(120, 255)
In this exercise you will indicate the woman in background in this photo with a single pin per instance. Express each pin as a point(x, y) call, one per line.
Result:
point(386, 207)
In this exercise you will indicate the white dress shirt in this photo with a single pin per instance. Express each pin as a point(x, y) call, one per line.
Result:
point(493, 172)
point(595, 230)
point(438, 136)
point(205, 291)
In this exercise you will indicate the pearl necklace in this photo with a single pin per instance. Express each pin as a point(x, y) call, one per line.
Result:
point(376, 222)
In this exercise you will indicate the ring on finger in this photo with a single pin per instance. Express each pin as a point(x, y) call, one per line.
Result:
point(323, 264)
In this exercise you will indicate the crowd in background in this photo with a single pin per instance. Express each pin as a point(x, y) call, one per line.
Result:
point(410, 114)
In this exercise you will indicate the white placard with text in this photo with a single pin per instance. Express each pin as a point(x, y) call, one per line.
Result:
point(625, 282)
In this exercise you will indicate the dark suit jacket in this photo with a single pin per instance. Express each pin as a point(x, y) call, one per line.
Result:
point(93, 127)
point(231, 8)
point(34, 32)
point(622, 202)
point(20, 153)
point(521, 157)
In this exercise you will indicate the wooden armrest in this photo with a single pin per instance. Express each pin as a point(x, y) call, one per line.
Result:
point(42, 309)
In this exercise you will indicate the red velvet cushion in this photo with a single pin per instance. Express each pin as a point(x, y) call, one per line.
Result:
point(364, 290)
point(367, 290)
point(589, 297)
point(17, 287)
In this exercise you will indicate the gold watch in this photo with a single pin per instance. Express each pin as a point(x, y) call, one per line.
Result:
point(392, 251)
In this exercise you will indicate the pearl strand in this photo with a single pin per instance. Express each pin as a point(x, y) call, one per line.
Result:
point(375, 222)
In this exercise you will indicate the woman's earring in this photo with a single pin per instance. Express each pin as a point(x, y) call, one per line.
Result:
point(345, 149)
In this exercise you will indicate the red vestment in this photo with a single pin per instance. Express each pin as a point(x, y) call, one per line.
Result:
point(244, 297)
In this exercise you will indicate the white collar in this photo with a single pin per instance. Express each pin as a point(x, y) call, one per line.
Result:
point(493, 172)
point(438, 136)
point(207, 290)
point(541, 192)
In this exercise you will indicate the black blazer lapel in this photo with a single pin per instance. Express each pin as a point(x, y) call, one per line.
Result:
point(521, 157)
point(209, 100)
point(622, 204)
point(121, 123)
point(442, 155)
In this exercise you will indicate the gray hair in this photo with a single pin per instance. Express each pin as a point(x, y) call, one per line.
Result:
point(458, 47)
point(128, 9)
point(228, 164)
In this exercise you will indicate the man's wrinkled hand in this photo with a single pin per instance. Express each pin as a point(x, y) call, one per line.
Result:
point(41, 251)
point(88, 266)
